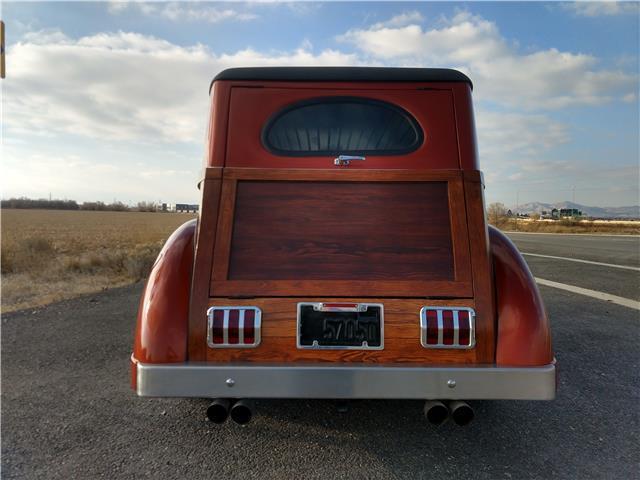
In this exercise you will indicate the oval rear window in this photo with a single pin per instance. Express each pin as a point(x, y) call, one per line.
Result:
point(342, 125)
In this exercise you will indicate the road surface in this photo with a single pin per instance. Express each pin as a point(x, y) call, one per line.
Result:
point(67, 411)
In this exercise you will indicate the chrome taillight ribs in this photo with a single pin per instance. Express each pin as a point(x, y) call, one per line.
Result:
point(447, 327)
point(233, 327)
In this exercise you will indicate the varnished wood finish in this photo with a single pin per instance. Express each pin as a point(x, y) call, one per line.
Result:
point(341, 231)
point(436, 281)
point(206, 234)
point(481, 266)
point(401, 335)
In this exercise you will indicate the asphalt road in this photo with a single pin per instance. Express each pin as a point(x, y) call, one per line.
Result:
point(620, 250)
point(67, 411)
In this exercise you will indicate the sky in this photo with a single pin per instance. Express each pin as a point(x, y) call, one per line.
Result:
point(109, 100)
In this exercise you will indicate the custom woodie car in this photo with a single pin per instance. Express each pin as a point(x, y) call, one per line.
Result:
point(342, 251)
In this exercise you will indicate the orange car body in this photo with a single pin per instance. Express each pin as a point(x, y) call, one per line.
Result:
point(342, 251)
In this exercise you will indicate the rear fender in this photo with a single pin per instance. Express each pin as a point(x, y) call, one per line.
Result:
point(524, 337)
point(163, 314)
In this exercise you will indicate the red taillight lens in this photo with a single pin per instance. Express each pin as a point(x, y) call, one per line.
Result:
point(432, 327)
point(233, 327)
point(464, 328)
point(447, 327)
point(249, 318)
point(218, 326)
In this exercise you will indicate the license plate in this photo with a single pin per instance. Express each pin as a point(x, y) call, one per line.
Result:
point(355, 326)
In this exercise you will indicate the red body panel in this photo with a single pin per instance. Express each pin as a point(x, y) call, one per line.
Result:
point(163, 316)
point(444, 111)
point(524, 338)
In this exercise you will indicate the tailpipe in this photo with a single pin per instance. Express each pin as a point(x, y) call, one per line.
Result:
point(241, 412)
point(461, 412)
point(436, 412)
point(218, 411)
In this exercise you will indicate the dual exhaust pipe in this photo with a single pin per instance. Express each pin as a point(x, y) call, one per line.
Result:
point(222, 408)
point(438, 412)
point(435, 411)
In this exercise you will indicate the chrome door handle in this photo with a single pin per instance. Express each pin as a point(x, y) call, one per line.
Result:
point(344, 160)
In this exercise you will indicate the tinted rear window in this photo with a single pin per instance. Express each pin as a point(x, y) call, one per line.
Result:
point(342, 125)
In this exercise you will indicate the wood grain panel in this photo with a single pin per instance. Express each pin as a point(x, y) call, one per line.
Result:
point(203, 258)
point(423, 270)
point(341, 231)
point(481, 266)
point(401, 335)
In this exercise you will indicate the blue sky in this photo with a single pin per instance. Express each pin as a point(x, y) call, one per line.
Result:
point(108, 100)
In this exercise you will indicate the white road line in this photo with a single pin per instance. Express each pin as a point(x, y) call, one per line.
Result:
point(579, 260)
point(574, 234)
point(625, 302)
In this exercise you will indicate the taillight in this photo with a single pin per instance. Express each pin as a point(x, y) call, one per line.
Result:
point(447, 327)
point(233, 327)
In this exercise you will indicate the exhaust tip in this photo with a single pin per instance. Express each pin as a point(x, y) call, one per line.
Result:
point(241, 412)
point(436, 412)
point(461, 413)
point(218, 411)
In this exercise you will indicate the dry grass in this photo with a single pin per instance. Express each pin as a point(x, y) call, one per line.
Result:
point(571, 226)
point(50, 255)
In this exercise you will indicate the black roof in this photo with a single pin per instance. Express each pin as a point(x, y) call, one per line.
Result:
point(343, 74)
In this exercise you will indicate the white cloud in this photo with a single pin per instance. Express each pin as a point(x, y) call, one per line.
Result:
point(95, 176)
point(513, 135)
point(588, 8)
point(183, 11)
point(401, 20)
point(544, 79)
point(123, 86)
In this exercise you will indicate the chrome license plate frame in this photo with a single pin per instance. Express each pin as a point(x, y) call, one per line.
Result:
point(346, 320)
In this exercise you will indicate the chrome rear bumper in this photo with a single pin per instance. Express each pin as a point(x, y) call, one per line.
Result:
point(345, 381)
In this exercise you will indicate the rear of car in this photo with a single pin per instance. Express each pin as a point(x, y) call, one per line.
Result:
point(342, 252)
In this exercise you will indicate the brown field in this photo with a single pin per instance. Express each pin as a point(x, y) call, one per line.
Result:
point(50, 255)
point(568, 225)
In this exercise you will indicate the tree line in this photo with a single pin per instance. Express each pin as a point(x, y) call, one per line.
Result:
point(57, 204)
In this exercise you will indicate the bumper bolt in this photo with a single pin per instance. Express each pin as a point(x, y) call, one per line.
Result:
point(230, 382)
point(451, 383)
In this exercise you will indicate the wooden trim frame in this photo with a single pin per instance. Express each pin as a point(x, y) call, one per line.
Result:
point(206, 234)
point(481, 266)
point(401, 335)
point(460, 287)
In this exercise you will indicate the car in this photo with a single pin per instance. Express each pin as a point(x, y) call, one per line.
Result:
point(342, 251)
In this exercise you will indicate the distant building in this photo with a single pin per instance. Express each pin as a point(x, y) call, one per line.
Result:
point(179, 207)
point(570, 212)
point(186, 207)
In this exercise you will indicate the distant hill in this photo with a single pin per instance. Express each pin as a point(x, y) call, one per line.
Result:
point(596, 212)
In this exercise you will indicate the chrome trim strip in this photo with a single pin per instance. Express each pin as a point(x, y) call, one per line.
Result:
point(360, 307)
point(257, 327)
point(346, 381)
point(337, 307)
point(225, 328)
point(456, 328)
point(456, 333)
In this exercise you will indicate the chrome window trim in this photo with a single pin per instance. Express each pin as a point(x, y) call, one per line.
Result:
point(321, 306)
point(456, 327)
point(257, 327)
